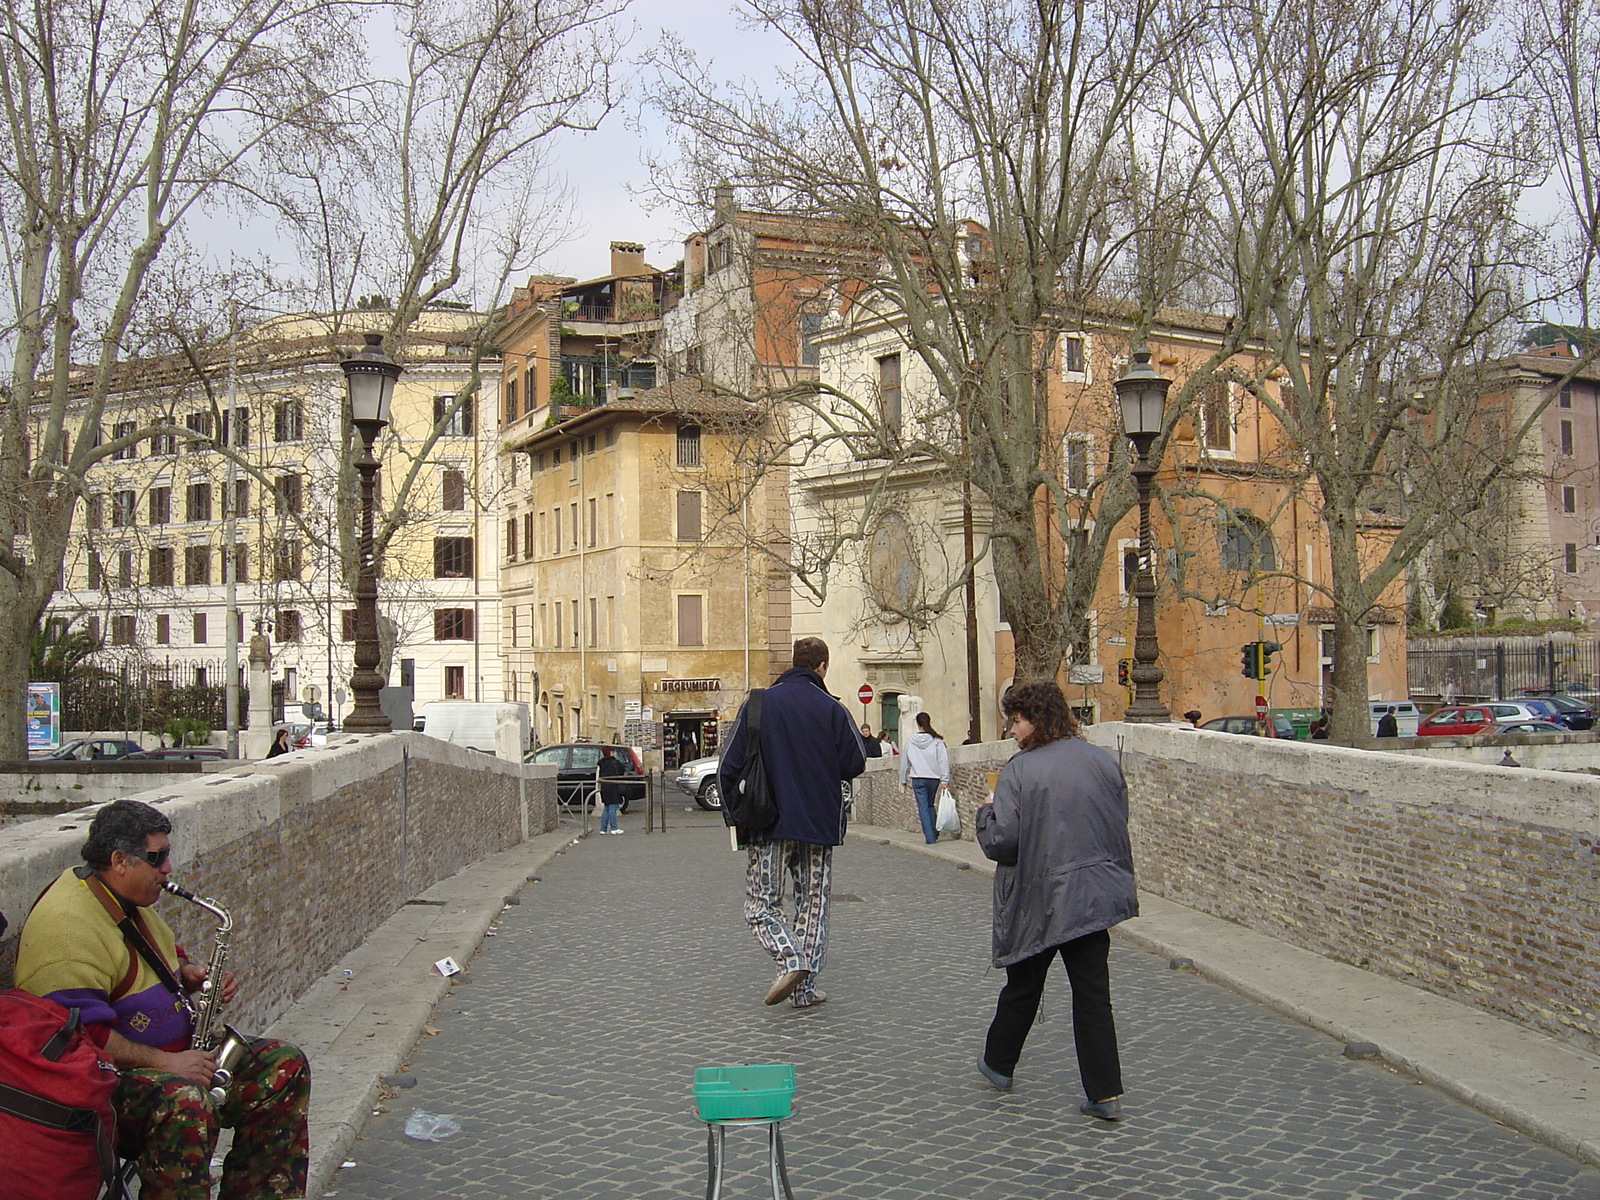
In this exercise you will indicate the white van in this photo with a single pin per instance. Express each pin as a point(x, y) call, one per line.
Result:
point(1406, 715)
point(493, 728)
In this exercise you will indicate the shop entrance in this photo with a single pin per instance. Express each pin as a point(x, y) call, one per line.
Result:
point(689, 735)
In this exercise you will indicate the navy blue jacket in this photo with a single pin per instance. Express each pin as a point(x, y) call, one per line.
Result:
point(810, 746)
point(611, 793)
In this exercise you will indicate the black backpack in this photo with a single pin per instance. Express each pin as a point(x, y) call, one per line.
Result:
point(751, 806)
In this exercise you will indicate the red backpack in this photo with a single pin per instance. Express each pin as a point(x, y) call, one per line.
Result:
point(57, 1126)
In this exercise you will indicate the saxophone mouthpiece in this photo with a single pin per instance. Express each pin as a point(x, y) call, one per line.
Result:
point(168, 885)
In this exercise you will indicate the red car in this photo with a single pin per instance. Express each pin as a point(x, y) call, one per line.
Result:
point(1456, 719)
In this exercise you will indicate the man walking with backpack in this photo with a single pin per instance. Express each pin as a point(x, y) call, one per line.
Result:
point(809, 748)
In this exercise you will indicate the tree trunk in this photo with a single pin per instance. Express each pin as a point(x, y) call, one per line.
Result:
point(16, 629)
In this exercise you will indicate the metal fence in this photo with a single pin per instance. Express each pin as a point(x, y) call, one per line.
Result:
point(145, 696)
point(1483, 668)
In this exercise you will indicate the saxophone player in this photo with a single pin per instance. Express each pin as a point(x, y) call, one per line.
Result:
point(92, 942)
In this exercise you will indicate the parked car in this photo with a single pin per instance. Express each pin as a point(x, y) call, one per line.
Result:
point(1572, 713)
point(1456, 720)
point(1548, 710)
point(1527, 727)
point(95, 749)
point(179, 754)
point(1282, 727)
point(1459, 720)
point(575, 764)
point(699, 779)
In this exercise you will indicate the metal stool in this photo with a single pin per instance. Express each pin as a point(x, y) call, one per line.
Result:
point(716, 1136)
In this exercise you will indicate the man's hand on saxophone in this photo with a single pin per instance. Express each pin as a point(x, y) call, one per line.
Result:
point(194, 974)
point(194, 1065)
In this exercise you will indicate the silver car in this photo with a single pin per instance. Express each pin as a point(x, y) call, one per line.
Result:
point(699, 779)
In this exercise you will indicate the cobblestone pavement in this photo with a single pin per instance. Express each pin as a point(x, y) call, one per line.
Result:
point(568, 1056)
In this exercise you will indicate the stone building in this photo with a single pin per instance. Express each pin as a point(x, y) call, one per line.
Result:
point(1532, 551)
point(633, 609)
point(1239, 555)
point(169, 519)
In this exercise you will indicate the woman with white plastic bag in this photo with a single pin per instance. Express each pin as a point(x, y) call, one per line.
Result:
point(925, 767)
point(947, 819)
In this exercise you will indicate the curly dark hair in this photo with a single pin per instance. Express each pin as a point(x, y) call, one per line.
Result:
point(122, 825)
point(1041, 704)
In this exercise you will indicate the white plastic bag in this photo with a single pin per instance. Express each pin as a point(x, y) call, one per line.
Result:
point(946, 819)
point(425, 1127)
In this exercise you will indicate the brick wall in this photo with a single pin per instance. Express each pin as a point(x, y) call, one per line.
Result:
point(308, 854)
point(1478, 882)
point(880, 800)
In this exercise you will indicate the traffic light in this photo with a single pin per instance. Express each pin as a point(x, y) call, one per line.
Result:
point(1268, 649)
point(1250, 660)
point(1123, 669)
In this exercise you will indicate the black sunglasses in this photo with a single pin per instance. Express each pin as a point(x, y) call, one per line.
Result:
point(156, 858)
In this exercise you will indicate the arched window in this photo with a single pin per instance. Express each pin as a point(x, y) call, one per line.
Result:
point(1245, 543)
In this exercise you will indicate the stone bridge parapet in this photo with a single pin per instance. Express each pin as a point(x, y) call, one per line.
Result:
point(309, 852)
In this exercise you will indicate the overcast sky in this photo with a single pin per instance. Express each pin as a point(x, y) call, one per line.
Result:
point(601, 167)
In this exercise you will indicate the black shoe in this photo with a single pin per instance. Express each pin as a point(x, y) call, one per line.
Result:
point(1106, 1110)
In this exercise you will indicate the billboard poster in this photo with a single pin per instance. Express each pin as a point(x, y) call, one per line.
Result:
point(44, 716)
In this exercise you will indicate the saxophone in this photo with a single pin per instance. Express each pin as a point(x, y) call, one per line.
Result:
point(226, 1044)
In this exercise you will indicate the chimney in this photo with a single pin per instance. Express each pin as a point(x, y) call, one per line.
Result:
point(627, 258)
point(724, 205)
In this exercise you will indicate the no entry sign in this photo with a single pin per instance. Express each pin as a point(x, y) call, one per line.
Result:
point(864, 693)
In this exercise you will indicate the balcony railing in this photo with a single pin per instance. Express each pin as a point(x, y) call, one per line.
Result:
point(606, 314)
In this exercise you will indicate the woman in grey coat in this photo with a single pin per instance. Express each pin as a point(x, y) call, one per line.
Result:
point(1057, 825)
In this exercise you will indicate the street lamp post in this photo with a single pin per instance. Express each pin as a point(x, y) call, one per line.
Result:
point(1142, 394)
point(369, 382)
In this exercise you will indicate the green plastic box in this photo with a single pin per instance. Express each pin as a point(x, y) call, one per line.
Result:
point(763, 1091)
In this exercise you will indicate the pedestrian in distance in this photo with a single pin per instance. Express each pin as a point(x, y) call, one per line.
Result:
point(870, 745)
point(810, 748)
point(1388, 725)
point(925, 768)
point(1191, 719)
point(280, 744)
point(610, 793)
point(887, 743)
point(1057, 828)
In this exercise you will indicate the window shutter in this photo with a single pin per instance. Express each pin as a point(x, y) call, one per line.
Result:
point(688, 516)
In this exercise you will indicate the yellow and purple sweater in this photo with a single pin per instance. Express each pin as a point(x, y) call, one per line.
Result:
point(72, 952)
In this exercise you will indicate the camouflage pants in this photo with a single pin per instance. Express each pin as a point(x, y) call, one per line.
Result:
point(171, 1126)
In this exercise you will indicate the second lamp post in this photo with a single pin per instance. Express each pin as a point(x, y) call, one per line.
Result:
point(1142, 394)
point(369, 382)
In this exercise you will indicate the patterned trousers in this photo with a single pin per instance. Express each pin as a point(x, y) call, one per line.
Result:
point(171, 1124)
point(802, 944)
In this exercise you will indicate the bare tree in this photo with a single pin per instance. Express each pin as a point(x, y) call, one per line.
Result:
point(452, 196)
point(1369, 242)
point(121, 123)
point(984, 176)
point(1559, 50)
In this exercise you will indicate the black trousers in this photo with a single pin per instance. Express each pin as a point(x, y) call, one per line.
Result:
point(1094, 1030)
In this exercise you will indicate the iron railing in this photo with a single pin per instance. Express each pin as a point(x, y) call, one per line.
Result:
point(1485, 668)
